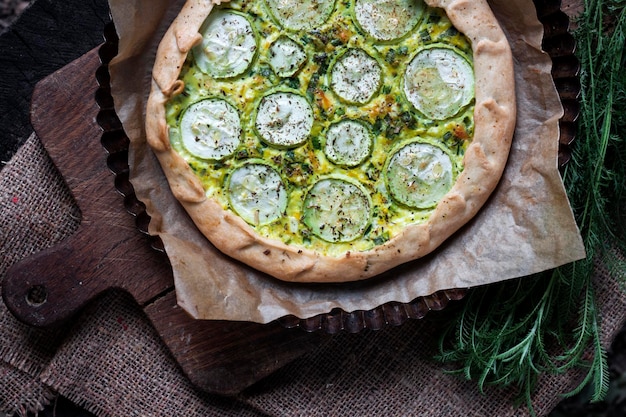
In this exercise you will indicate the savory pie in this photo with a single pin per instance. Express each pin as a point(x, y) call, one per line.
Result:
point(332, 140)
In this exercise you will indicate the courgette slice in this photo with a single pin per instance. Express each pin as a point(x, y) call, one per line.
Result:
point(419, 174)
point(355, 76)
point(337, 210)
point(439, 82)
point(348, 143)
point(388, 20)
point(284, 119)
point(256, 192)
point(210, 129)
point(228, 44)
point(301, 14)
point(286, 56)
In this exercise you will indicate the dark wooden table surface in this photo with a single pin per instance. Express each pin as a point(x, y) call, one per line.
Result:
point(47, 36)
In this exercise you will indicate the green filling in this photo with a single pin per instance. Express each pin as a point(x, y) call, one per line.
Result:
point(388, 115)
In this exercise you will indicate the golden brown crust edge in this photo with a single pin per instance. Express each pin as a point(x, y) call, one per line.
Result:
point(484, 161)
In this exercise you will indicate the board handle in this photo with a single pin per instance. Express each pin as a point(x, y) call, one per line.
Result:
point(50, 286)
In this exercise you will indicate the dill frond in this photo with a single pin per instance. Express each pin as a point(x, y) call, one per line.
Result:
point(548, 323)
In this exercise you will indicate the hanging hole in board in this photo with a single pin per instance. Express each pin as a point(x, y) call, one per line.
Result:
point(37, 296)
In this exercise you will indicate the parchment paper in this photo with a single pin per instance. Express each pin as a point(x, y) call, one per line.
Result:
point(526, 227)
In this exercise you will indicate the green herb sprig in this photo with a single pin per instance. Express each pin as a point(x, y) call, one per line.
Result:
point(511, 333)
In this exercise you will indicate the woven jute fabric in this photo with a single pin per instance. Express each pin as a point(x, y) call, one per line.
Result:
point(36, 211)
point(111, 361)
point(390, 373)
point(114, 364)
point(21, 392)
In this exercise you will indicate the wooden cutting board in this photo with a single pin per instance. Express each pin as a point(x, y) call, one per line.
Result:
point(108, 251)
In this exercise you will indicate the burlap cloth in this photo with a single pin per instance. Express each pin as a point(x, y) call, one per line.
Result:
point(111, 361)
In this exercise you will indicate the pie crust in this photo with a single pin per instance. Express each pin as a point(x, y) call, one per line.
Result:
point(484, 160)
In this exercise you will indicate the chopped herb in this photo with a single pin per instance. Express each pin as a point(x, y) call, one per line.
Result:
point(277, 159)
point(390, 57)
point(451, 32)
point(322, 61)
point(316, 143)
point(378, 126)
point(290, 154)
point(372, 172)
point(393, 126)
point(293, 82)
point(408, 119)
point(242, 154)
point(434, 18)
point(379, 240)
point(507, 343)
point(321, 36)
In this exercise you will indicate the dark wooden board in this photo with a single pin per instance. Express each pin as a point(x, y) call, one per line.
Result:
point(63, 113)
point(108, 252)
point(226, 357)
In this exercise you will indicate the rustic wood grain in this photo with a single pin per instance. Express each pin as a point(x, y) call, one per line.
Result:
point(226, 357)
point(108, 252)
